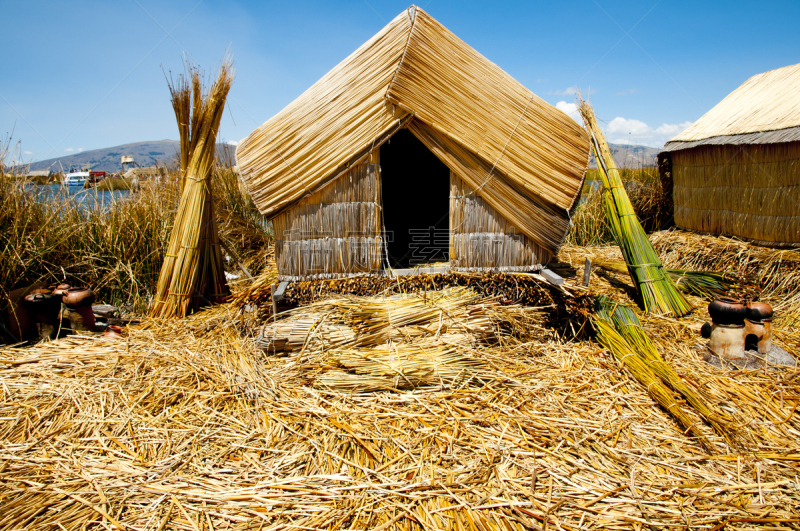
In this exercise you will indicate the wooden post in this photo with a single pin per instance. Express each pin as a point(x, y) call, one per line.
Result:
point(274, 303)
point(587, 269)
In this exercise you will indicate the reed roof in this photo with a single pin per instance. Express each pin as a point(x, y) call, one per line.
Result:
point(764, 109)
point(416, 68)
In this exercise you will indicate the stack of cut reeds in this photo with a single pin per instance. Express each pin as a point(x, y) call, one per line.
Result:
point(192, 274)
point(659, 293)
point(399, 341)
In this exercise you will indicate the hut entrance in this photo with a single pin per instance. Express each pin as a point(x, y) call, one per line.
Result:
point(415, 187)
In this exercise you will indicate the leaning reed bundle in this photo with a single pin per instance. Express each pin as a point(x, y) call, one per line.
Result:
point(626, 354)
point(630, 328)
point(659, 293)
point(705, 284)
point(192, 274)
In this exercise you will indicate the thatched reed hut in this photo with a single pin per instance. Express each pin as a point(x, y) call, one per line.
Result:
point(415, 149)
point(736, 170)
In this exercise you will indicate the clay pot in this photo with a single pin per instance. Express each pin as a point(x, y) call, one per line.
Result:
point(758, 311)
point(21, 323)
point(727, 341)
point(43, 307)
point(61, 289)
point(725, 311)
point(113, 332)
point(78, 297)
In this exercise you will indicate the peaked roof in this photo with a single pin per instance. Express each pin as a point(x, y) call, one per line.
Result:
point(415, 70)
point(768, 102)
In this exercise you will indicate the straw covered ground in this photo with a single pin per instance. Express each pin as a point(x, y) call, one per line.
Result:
point(187, 424)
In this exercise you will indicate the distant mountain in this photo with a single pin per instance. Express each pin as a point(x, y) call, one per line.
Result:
point(166, 152)
point(628, 156)
point(149, 153)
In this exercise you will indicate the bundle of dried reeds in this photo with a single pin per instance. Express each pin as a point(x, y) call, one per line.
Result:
point(430, 362)
point(192, 274)
point(630, 328)
point(367, 322)
point(628, 355)
point(659, 293)
point(706, 284)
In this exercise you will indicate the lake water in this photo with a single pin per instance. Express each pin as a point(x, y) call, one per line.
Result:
point(86, 196)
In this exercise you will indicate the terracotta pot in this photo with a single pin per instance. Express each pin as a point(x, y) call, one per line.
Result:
point(43, 307)
point(21, 323)
point(61, 289)
point(758, 311)
point(39, 291)
point(725, 311)
point(78, 297)
point(727, 341)
point(113, 332)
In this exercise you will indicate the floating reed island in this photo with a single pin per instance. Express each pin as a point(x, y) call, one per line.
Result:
point(432, 409)
point(482, 397)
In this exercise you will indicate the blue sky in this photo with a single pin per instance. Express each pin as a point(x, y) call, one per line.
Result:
point(84, 75)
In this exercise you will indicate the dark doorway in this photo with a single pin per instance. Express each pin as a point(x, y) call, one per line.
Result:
point(416, 202)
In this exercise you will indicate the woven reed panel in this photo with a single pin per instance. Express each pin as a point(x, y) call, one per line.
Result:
point(334, 232)
point(749, 191)
point(481, 239)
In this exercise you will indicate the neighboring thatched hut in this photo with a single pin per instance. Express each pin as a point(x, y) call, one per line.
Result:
point(736, 170)
point(415, 149)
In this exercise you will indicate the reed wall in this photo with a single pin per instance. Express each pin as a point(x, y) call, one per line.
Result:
point(480, 238)
point(334, 232)
point(750, 191)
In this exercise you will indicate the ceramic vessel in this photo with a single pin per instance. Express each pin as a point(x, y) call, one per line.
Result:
point(727, 341)
point(758, 311)
point(726, 311)
point(78, 297)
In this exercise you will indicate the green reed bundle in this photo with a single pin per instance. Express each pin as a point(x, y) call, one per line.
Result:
point(706, 284)
point(192, 274)
point(630, 328)
point(659, 293)
point(643, 371)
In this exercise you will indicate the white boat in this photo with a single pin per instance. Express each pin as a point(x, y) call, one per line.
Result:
point(76, 178)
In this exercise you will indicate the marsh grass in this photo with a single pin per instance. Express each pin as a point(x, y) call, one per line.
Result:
point(116, 247)
point(643, 185)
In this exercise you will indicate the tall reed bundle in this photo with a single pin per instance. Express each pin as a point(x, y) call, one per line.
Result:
point(659, 293)
point(627, 355)
point(630, 328)
point(192, 274)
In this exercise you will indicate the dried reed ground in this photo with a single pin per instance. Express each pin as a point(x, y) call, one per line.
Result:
point(185, 425)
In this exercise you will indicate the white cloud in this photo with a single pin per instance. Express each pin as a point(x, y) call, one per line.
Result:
point(631, 131)
point(68, 150)
point(28, 152)
point(571, 109)
point(627, 92)
point(232, 143)
point(80, 149)
point(571, 91)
